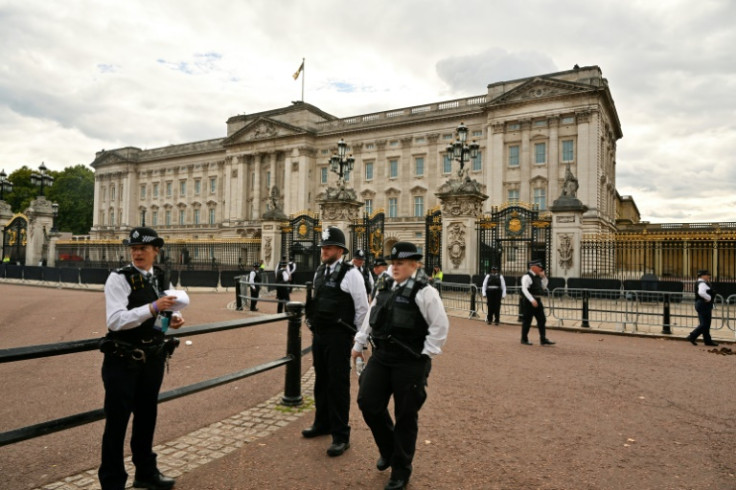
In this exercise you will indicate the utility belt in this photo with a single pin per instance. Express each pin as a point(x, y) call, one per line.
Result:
point(139, 352)
point(393, 345)
point(493, 287)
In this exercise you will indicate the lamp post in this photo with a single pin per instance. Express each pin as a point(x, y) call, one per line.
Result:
point(460, 149)
point(340, 164)
point(5, 184)
point(41, 178)
point(55, 210)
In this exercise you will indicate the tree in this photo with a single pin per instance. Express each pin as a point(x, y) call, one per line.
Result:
point(73, 190)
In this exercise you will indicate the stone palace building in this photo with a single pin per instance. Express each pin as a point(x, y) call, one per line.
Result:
point(532, 132)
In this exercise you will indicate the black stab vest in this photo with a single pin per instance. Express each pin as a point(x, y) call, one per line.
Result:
point(536, 288)
point(329, 302)
point(493, 280)
point(708, 291)
point(142, 293)
point(396, 313)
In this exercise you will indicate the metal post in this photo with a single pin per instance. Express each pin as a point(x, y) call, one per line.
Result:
point(473, 308)
point(586, 311)
point(293, 384)
point(666, 314)
point(238, 299)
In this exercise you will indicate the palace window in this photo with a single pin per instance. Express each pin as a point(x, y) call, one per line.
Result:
point(197, 186)
point(323, 175)
point(154, 218)
point(568, 151)
point(213, 185)
point(393, 207)
point(418, 206)
point(212, 216)
point(477, 162)
point(369, 206)
point(540, 198)
point(155, 189)
point(393, 169)
point(514, 156)
point(419, 166)
point(168, 189)
point(168, 217)
point(513, 195)
point(368, 170)
point(447, 164)
point(143, 191)
point(182, 188)
point(196, 216)
point(540, 153)
point(112, 192)
point(181, 216)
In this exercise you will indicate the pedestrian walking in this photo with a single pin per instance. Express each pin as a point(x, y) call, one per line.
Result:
point(533, 285)
point(408, 325)
point(282, 288)
point(338, 304)
point(254, 279)
point(704, 301)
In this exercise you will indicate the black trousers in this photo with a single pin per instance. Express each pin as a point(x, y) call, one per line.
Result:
point(331, 357)
point(254, 298)
point(131, 387)
point(388, 374)
point(282, 294)
point(529, 312)
point(493, 301)
point(705, 317)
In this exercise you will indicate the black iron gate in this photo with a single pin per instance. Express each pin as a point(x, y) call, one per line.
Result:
point(300, 241)
point(15, 239)
point(368, 234)
point(510, 237)
point(433, 239)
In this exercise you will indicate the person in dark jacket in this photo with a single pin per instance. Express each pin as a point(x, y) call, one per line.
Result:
point(282, 288)
point(408, 326)
point(704, 300)
point(338, 304)
point(533, 285)
point(494, 290)
point(135, 356)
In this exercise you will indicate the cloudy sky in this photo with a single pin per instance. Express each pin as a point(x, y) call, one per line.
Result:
point(81, 75)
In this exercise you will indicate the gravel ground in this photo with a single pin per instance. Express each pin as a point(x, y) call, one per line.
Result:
point(594, 411)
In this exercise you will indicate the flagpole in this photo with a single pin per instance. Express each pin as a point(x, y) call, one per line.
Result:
point(303, 76)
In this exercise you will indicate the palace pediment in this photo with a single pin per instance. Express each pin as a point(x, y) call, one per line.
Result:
point(113, 157)
point(264, 128)
point(541, 88)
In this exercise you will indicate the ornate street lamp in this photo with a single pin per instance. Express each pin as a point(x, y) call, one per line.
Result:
point(5, 185)
point(340, 164)
point(460, 150)
point(41, 178)
point(55, 210)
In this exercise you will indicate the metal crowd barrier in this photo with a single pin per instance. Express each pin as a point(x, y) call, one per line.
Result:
point(243, 297)
point(627, 310)
point(292, 384)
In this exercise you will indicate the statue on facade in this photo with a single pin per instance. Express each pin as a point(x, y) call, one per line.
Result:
point(570, 186)
point(275, 206)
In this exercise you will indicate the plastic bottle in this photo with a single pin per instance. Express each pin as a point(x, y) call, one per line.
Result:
point(359, 365)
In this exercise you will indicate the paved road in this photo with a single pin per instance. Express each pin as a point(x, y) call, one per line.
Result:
point(594, 411)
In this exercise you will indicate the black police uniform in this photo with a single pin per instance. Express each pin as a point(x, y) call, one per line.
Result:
point(529, 311)
point(331, 342)
point(396, 368)
point(132, 373)
point(282, 290)
point(704, 308)
point(493, 297)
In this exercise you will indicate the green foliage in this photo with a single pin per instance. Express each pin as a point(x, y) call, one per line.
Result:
point(73, 189)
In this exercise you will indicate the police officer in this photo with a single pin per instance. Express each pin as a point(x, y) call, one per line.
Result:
point(533, 284)
point(494, 290)
point(379, 268)
point(254, 278)
point(359, 263)
point(338, 304)
point(408, 326)
point(704, 300)
point(135, 356)
point(282, 290)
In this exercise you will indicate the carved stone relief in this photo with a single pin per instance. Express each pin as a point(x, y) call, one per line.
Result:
point(565, 251)
point(456, 243)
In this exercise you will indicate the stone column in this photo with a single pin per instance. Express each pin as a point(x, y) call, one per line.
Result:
point(496, 163)
point(526, 161)
point(256, 186)
point(567, 234)
point(462, 204)
point(40, 220)
point(271, 243)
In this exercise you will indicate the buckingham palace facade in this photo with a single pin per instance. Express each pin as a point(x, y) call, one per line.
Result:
point(530, 131)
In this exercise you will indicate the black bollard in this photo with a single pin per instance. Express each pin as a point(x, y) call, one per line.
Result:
point(666, 314)
point(238, 299)
point(293, 384)
point(586, 308)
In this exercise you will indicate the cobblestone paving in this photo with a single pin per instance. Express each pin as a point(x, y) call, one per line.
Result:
point(208, 443)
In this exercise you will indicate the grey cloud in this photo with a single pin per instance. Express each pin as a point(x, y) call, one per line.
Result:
point(469, 73)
